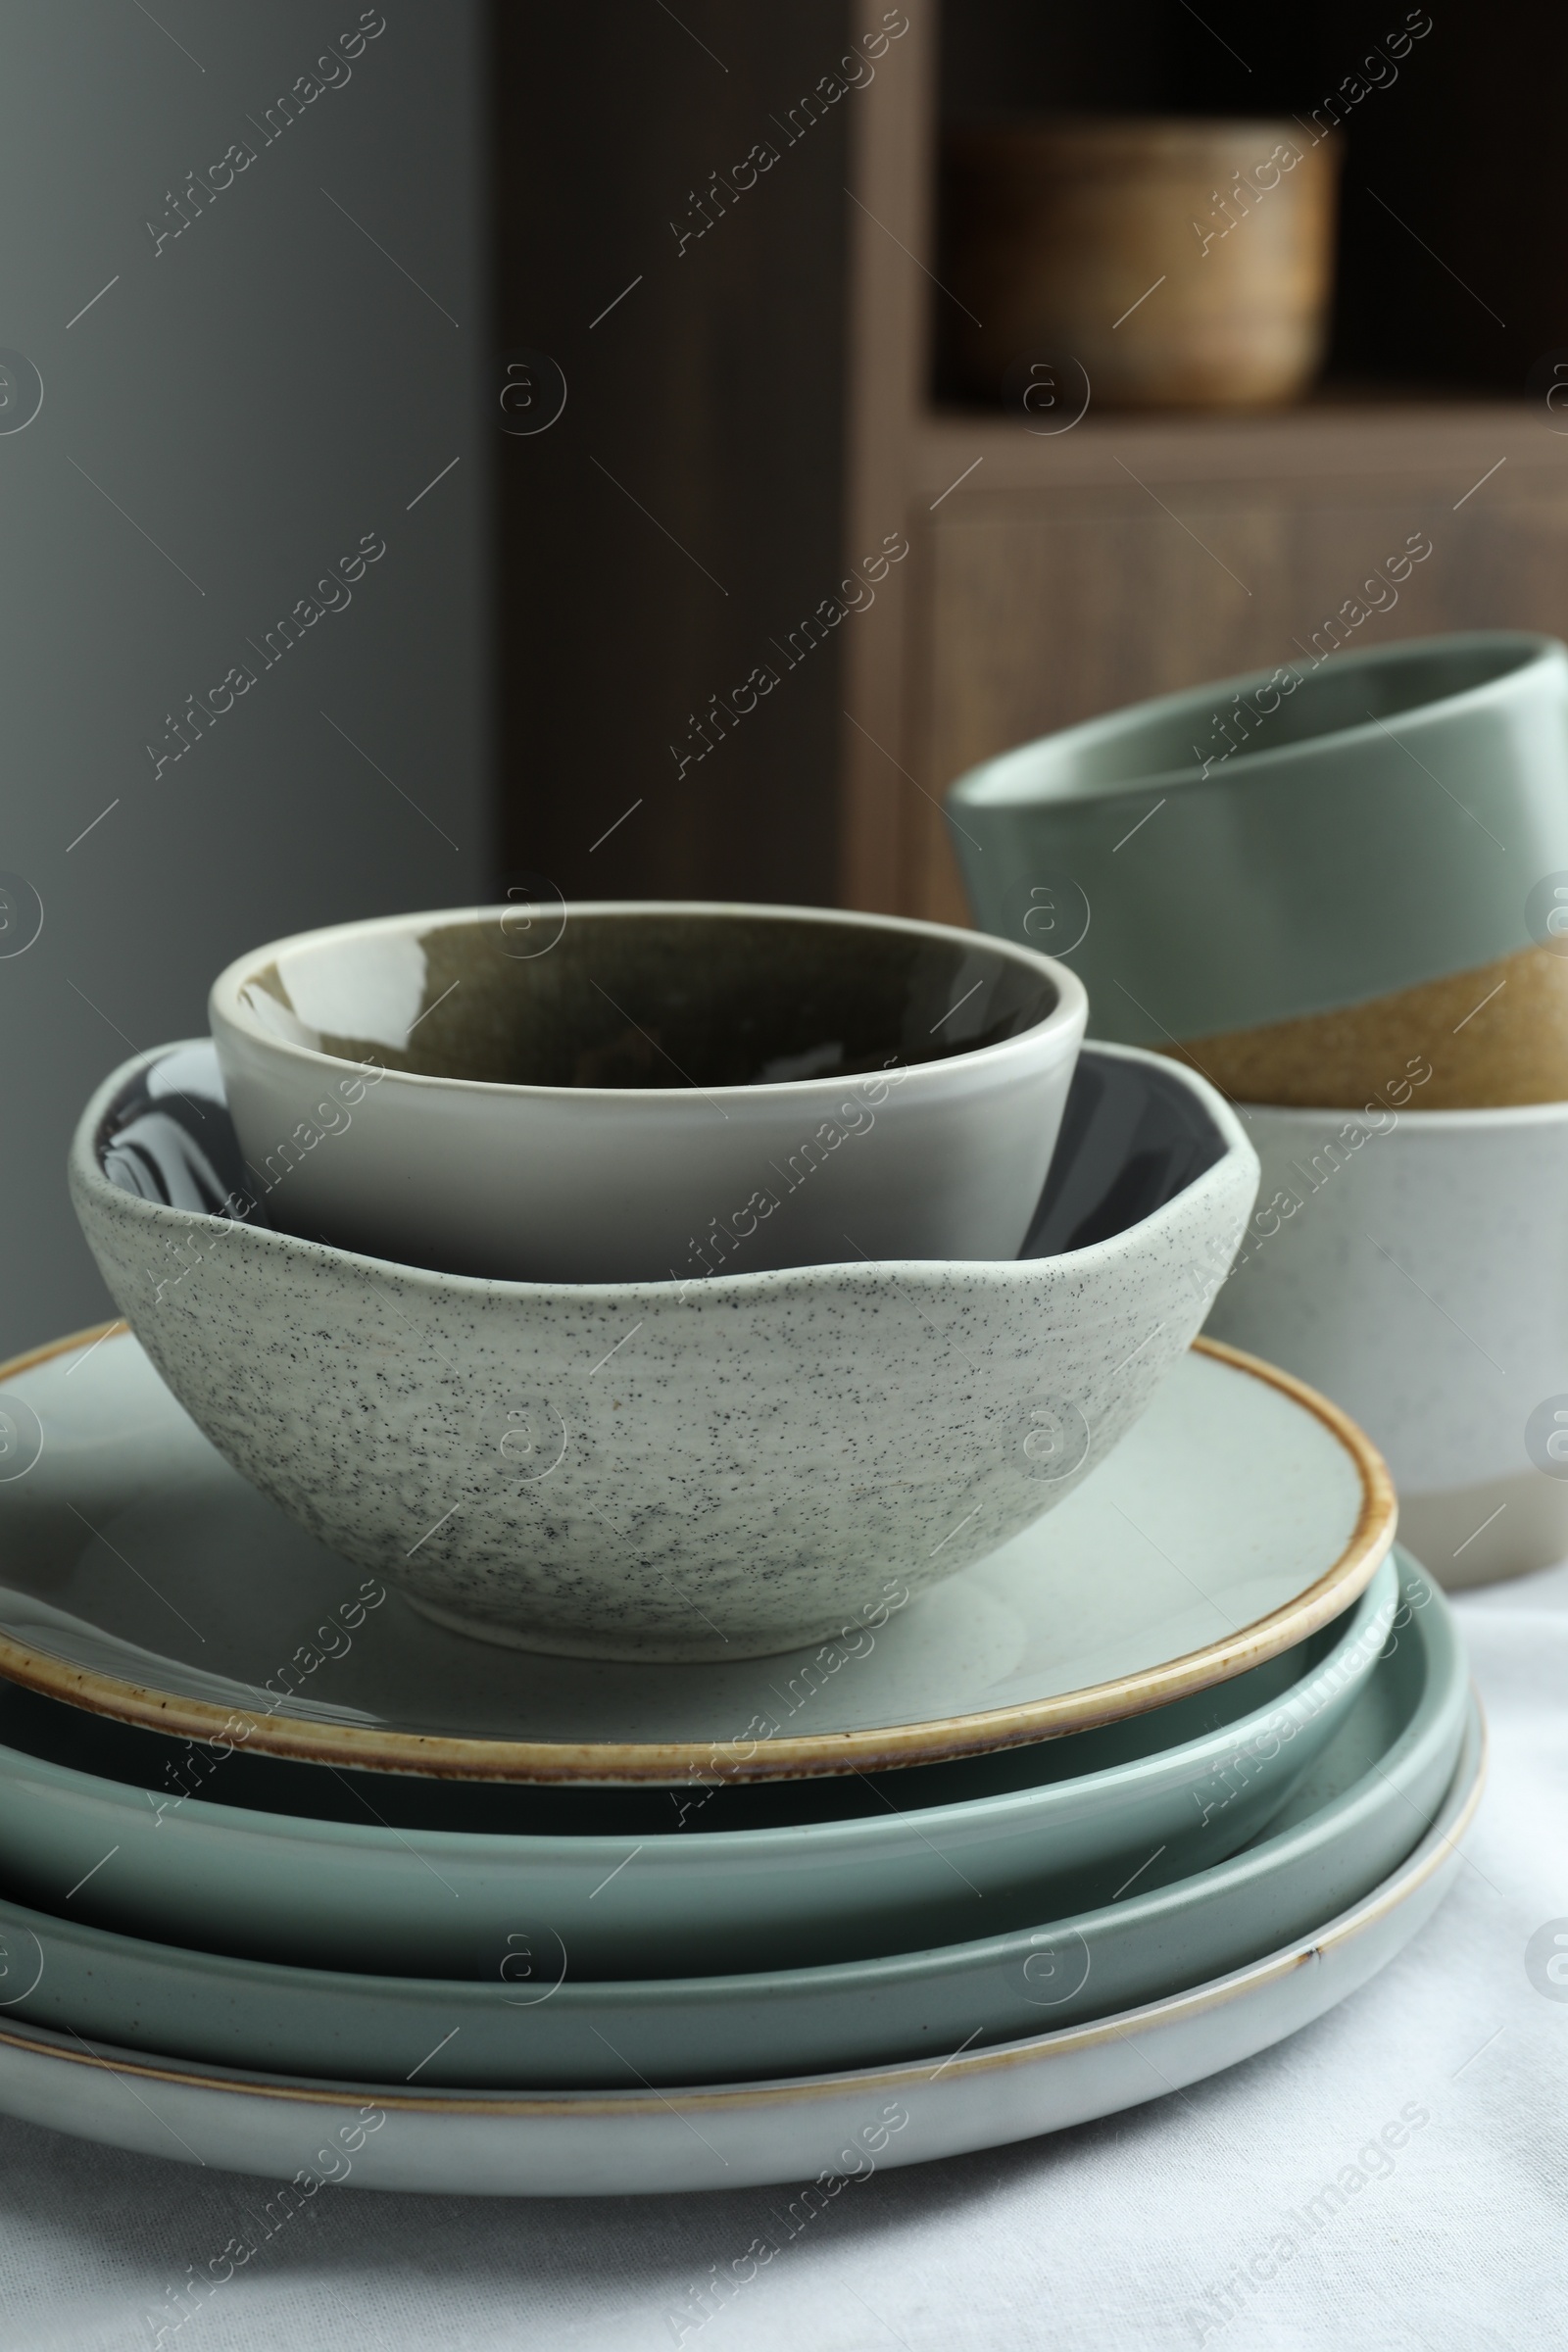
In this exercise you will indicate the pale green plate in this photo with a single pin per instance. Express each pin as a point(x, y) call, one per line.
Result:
point(837, 2127)
point(142, 1577)
point(296, 1862)
point(1367, 1802)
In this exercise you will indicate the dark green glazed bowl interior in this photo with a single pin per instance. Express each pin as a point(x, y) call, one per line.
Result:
point(670, 999)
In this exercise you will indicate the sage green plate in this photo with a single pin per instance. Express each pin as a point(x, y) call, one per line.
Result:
point(1365, 1806)
point(837, 2127)
point(278, 1861)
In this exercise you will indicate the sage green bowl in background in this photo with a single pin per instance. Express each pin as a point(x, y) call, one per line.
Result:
point(1365, 1805)
point(1284, 842)
point(841, 1870)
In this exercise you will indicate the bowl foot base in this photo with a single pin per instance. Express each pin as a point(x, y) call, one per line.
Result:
point(696, 1650)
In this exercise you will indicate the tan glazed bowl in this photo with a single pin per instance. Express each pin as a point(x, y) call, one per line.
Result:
point(1178, 263)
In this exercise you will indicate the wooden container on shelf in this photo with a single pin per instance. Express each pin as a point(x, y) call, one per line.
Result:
point(1179, 264)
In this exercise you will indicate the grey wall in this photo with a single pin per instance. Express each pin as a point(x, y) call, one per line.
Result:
point(222, 425)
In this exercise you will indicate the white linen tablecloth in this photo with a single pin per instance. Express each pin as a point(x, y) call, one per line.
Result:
point(1190, 2221)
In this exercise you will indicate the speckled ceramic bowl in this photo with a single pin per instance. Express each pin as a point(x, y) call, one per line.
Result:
point(716, 1468)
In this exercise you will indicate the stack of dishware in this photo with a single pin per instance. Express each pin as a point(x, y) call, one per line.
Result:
point(1341, 890)
point(654, 1594)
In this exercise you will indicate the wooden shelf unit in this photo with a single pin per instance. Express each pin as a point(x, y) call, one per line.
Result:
point(1051, 577)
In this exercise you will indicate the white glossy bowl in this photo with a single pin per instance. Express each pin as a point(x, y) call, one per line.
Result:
point(716, 1468)
point(622, 1092)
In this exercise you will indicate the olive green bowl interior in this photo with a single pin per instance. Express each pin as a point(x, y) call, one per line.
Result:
point(654, 1000)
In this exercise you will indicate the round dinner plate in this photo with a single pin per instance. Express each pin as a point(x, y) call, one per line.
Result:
point(835, 2127)
point(322, 1869)
point(1356, 1815)
point(140, 1577)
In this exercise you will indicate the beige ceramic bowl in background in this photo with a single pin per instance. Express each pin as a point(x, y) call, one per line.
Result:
point(1178, 263)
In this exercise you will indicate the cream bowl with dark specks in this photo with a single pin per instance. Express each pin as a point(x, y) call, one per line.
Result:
point(718, 1468)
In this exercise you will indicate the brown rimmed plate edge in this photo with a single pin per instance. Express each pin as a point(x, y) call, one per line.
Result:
point(1441, 1843)
point(942, 1740)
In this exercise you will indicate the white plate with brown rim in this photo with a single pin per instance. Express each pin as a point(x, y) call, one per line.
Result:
point(142, 1577)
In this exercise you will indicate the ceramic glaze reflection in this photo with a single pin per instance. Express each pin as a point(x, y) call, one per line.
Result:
point(671, 1001)
point(655, 1092)
point(377, 996)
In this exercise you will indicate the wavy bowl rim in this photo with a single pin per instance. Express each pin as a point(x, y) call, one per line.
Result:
point(86, 1170)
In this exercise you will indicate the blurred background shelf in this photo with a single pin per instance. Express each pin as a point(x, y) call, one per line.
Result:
point(1350, 436)
point(1051, 577)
